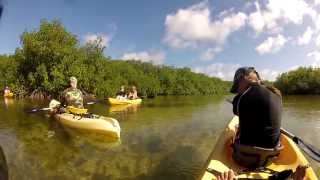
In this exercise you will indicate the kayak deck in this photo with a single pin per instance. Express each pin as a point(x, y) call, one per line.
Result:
point(114, 101)
point(221, 160)
point(100, 124)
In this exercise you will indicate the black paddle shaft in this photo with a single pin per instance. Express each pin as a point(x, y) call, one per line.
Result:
point(309, 149)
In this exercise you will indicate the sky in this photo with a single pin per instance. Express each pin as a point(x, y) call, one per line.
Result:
point(209, 36)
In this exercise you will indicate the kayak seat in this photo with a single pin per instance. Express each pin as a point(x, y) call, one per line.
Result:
point(253, 156)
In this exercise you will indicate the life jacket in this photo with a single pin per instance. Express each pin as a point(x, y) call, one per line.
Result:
point(76, 111)
point(73, 97)
point(253, 156)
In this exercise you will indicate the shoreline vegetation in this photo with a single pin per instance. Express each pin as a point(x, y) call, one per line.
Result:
point(49, 55)
point(302, 81)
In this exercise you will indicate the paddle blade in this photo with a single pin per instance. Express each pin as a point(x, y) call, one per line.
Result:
point(92, 102)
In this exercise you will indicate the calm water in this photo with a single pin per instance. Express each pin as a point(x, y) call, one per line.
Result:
point(164, 138)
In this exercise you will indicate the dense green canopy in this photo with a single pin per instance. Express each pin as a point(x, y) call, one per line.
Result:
point(304, 80)
point(49, 55)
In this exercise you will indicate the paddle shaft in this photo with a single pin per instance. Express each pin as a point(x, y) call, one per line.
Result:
point(37, 110)
point(309, 149)
point(287, 133)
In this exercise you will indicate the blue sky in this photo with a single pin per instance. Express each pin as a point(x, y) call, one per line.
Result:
point(212, 37)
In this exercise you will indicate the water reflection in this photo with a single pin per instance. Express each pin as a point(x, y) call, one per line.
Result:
point(164, 138)
point(8, 102)
point(124, 109)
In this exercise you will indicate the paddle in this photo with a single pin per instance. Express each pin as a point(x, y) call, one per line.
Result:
point(91, 102)
point(309, 149)
point(276, 175)
point(53, 103)
point(96, 101)
point(34, 110)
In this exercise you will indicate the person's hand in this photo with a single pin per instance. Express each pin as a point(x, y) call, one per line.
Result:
point(300, 172)
point(229, 175)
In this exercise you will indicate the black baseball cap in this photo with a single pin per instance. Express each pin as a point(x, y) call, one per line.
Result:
point(239, 75)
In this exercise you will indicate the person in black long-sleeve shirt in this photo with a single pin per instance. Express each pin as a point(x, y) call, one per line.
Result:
point(259, 109)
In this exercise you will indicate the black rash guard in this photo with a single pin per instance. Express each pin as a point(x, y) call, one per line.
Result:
point(259, 112)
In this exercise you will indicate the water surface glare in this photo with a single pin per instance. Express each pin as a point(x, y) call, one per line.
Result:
point(164, 138)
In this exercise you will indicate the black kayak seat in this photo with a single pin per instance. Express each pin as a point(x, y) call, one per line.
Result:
point(253, 156)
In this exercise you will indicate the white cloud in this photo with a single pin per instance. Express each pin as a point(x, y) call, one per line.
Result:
point(278, 13)
point(317, 22)
point(191, 26)
point(292, 68)
point(261, 20)
point(102, 39)
point(220, 70)
point(210, 53)
point(268, 74)
point(306, 37)
point(291, 10)
point(226, 71)
point(316, 2)
point(271, 45)
point(316, 56)
point(318, 41)
point(153, 57)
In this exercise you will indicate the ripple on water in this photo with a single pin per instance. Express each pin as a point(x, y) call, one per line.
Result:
point(166, 138)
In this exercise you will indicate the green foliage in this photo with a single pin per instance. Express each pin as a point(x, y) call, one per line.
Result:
point(305, 80)
point(50, 54)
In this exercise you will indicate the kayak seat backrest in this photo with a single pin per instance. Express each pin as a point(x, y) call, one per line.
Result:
point(76, 111)
point(252, 156)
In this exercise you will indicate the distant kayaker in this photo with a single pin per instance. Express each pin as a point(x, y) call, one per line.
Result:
point(72, 96)
point(122, 93)
point(7, 90)
point(259, 110)
point(133, 94)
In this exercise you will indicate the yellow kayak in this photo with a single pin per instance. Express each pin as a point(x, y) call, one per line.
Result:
point(123, 108)
point(100, 124)
point(8, 95)
point(114, 101)
point(221, 160)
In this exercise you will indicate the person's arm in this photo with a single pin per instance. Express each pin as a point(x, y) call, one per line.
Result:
point(235, 104)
